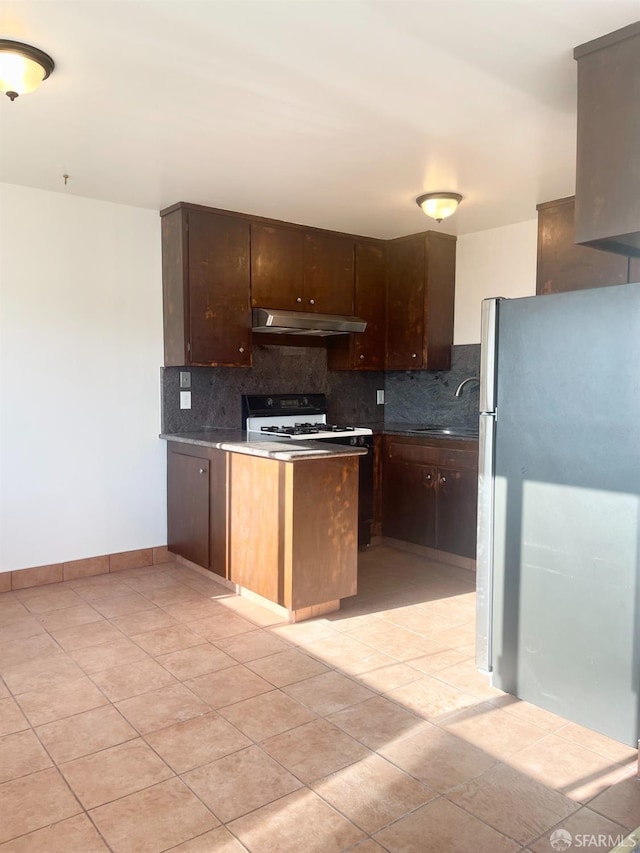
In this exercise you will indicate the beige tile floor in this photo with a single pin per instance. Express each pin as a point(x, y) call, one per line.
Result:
point(150, 710)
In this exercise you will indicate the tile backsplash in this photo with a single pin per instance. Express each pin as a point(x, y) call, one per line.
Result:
point(216, 392)
point(424, 396)
point(428, 396)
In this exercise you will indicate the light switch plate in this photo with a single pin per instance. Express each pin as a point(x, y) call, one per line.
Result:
point(185, 399)
point(380, 398)
point(185, 379)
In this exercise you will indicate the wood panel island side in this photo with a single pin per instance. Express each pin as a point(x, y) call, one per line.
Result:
point(276, 519)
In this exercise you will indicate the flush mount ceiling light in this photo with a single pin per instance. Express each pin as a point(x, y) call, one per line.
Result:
point(22, 68)
point(439, 205)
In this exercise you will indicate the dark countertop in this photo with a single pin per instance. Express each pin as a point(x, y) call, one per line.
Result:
point(422, 430)
point(269, 447)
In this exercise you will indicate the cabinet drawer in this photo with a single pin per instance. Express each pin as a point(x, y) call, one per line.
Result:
point(432, 453)
point(466, 459)
point(403, 452)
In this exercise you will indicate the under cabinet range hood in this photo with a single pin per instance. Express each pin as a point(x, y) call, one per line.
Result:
point(277, 322)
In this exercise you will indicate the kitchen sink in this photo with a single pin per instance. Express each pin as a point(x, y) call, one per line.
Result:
point(444, 430)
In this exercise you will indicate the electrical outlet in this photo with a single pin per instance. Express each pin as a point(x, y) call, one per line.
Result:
point(185, 379)
point(185, 399)
point(380, 398)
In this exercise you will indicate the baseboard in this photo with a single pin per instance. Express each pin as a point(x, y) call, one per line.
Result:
point(432, 554)
point(287, 615)
point(88, 567)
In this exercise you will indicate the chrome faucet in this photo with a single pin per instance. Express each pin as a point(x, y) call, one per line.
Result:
point(464, 382)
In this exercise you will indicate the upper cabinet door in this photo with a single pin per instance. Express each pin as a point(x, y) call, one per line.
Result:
point(370, 286)
point(563, 265)
point(328, 274)
point(219, 286)
point(364, 350)
point(277, 267)
point(608, 142)
point(406, 265)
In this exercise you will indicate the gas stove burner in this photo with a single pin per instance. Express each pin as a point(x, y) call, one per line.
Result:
point(324, 427)
point(279, 430)
point(295, 429)
point(284, 416)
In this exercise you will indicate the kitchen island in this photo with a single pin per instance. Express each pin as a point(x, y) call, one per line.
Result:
point(277, 519)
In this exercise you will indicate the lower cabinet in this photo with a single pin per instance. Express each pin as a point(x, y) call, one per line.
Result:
point(409, 502)
point(457, 511)
point(293, 530)
point(197, 505)
point(287, 531)
point(430, 489)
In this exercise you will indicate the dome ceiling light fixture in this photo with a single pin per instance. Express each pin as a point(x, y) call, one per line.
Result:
point(22, 68)
point(439, 205)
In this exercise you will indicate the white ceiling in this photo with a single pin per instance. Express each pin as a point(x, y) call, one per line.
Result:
point(335, 113)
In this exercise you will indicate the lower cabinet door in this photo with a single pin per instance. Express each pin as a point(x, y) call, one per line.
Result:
point(457, 511)
point(409, 503)
point(188, 507)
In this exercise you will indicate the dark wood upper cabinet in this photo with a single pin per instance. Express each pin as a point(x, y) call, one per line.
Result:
point(276, 267)
point(563, 265)
point(364, 351)
point(295, 269)
point(420, 301)
point(206, 287)
point(608, 133)
point(328, 274)
point(217, 264)
point(405, 300)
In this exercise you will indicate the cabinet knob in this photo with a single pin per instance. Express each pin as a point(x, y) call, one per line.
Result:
point(312, 302)
point(361, 358)
point(443, 479)
point(427, 478)
point(241, 349)
point(203, 470)
point(299, 299)
point(414, 355)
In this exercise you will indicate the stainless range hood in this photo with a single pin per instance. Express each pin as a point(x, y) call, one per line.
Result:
point(277, 322)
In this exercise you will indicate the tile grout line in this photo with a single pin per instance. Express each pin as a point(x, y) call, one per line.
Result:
point(299, 648)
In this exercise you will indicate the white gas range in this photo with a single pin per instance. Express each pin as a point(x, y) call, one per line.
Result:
point(300, 417)
point(297, 417)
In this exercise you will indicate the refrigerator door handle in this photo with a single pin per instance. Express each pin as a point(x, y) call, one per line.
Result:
point(488, 331)
point(484, 562)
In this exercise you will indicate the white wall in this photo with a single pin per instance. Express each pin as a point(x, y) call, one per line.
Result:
point(82, 472)
point(497, 262)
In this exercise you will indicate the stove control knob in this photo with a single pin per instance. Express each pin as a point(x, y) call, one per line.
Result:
point(305, 401)
point(353, 441)
point(269, 401)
